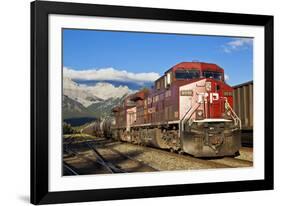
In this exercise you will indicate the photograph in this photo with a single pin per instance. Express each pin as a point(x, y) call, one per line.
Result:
point(153, 102)
point(138, 103)
point(133, 102)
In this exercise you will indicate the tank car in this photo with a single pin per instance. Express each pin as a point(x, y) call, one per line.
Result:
point(102, 127)
point(189, 109)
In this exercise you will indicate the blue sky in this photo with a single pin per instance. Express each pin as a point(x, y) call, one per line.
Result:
point(151, 55)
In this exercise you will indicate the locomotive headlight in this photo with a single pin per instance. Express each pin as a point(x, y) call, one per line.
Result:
point(199, 114)
point(208, 86)
point(228, 113)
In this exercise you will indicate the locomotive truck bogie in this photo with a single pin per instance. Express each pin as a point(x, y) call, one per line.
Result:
point(211, 139)
point(200, 140)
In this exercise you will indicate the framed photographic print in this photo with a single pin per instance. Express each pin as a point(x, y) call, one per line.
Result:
point(131, 102)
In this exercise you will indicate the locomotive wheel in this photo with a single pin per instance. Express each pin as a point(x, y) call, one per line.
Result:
point(158, 140)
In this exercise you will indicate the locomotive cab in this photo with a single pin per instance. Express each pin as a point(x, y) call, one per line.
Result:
point(190, 71)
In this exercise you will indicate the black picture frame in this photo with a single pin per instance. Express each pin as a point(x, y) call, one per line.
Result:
point(39, 102)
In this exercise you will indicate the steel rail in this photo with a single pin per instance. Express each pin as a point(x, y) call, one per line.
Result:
point(101, 160)
point(68, 168)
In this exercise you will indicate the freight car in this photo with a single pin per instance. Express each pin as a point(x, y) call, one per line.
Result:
point(189, 109)
point(99, 128)
point(243, 106)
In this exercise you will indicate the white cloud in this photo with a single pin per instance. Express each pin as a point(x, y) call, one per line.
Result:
point(225, 49)
point(237, 44)
point(226, 77)
point(110, 74)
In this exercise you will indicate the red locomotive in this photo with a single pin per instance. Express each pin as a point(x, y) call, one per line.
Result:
point(189, 109)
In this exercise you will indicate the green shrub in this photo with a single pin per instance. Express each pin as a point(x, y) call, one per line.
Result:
point(67, 129)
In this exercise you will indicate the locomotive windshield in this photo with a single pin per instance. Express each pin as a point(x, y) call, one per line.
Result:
point(213, 75)
point(187, 74)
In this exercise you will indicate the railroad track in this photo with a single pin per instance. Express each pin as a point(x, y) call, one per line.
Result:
point(233, 162)
point(69, 170)
point(107, 156)
point(102, 156)
point(165, 160)
point(225, 162)
point(140, 166)
point(188, 157)
point(99, 159)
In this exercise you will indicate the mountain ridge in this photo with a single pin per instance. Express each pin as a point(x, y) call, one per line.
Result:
point(91, 101)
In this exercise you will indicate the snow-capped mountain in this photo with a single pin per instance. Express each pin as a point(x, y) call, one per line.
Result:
point(76, 92)
point(103, 109)
point(87, 95)
point(92, 93)
point(81, 100)
point(106, 90)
